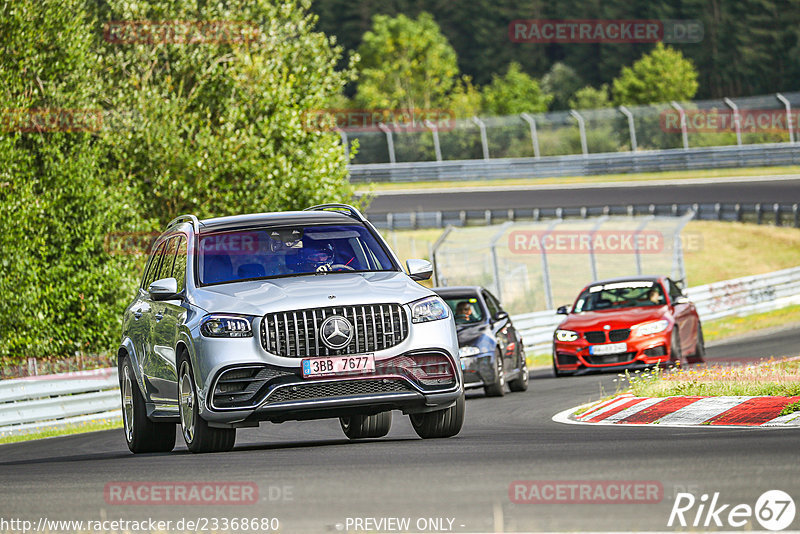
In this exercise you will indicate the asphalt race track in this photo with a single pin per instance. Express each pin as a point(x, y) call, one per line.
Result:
point(312, 479)
point(566, 196)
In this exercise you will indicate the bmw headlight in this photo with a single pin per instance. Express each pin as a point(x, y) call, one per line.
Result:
point(651, 328)
point(566, 335)
point(429, 309)
point(466, 352)
point(226, 326)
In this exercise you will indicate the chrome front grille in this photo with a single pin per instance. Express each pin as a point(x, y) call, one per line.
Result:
point(295, 334)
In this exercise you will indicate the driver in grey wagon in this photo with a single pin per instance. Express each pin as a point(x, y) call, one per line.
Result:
point(283, 316)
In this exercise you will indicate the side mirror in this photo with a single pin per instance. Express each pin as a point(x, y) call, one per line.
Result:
point(419, 269)
point(683, 299)
point(164, 289)
point(499, 316)
point(562, 310)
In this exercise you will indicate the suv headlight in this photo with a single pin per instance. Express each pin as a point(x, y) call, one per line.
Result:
point(226, 326)
point(651, 328)
point(429, 309)
point(566, 335)
point(466, 352)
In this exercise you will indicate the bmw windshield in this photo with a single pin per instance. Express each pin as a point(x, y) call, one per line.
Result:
point(234, 256)
point(620, 295)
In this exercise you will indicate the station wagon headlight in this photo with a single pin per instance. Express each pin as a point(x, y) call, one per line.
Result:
point(651, 328)
point(429, 309)
point(566, 335)
point(466, 352)
point(226, 326)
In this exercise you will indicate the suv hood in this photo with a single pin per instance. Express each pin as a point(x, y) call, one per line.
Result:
point(624, 318)
point(258, 297)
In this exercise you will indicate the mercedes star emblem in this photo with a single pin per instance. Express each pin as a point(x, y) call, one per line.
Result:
point(336, 332)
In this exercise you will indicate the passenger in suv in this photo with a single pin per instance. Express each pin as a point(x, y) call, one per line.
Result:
point(283, 316)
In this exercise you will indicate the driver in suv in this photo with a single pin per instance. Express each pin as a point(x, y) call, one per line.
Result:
point(283, 316)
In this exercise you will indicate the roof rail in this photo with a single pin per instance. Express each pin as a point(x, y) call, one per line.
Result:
point(186, 218)
point(350, 210)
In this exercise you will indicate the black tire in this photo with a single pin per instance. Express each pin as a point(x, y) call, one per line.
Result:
point(366, 426)
point(675, 353)
point(497, 388)
point(199, 437)
point(141, 434)
point(440, 424)
point(699, 355)
point(521, 382)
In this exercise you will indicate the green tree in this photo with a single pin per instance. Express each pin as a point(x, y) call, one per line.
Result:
point(405, 64)
point(561, 81)
point(660, 76)
point(62, 292)
point(513, 93)
point(226, 127)
point(590, 98)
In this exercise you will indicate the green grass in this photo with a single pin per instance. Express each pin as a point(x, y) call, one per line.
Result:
point(731, 326)
point(791, 408)
point(781, 378)
point(379, 187)
point(72, 429)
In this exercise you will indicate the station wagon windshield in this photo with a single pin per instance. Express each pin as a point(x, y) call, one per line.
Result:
point(233, 256)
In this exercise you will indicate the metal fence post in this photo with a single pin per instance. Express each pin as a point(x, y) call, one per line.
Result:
point(435, 249)
point(631, 126)
point(548, 291)
point(684, 129)
point(345, 144)
point(636, 252)
point(534, 136)
point(677, 256)
point(581, 129)
point(737, 121)
point(495, 265)
point(484, 139)
point(389, 141)
point(436, 147)
point(592, 257)
point(788, 107)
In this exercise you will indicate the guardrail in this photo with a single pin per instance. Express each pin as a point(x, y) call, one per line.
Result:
point(749, 294)
point(38, 403)
point(773, 154)
point(780, 214)
point(51, 401)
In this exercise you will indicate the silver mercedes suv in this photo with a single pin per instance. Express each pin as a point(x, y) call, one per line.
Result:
point(283, 316)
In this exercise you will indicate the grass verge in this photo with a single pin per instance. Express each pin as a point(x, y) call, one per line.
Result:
point(774, 378)
point(63, 431)
point(378, 187)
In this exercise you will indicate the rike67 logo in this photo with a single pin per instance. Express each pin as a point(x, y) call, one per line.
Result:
point(774, 510)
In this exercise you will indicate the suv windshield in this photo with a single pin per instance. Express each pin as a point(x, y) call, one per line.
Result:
point(233, 256)
point(620, 295)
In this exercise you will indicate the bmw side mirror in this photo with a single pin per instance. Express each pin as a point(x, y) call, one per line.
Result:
point(499, 316)
point(419, 269)
point(164, 289)
point(562, 310)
